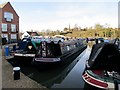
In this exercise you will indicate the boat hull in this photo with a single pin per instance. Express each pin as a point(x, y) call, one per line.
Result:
point(90, 79)
point(23, 59)
point(63, 59)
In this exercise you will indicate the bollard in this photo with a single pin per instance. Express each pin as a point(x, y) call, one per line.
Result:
point(16, 73)
point(6, 51)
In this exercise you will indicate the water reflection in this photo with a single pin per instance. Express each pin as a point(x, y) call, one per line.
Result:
point(74, 78)
point(90, 43)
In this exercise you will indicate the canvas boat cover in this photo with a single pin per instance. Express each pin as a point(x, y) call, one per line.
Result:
point(27, 46)
point(104, 56)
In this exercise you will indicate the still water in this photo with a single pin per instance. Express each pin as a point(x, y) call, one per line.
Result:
point(63, 76)
point(74, 79)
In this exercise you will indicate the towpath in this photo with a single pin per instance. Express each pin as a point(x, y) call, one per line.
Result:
point(8, 79)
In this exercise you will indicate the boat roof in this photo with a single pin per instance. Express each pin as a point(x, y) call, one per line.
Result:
point(104, 56)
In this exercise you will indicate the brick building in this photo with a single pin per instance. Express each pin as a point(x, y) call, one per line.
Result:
point(9, 22)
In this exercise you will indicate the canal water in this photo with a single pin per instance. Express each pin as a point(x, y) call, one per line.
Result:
point(66, 76)
point(74, 78)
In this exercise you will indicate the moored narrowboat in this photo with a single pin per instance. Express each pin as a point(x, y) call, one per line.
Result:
point(56, 52)
point(103, 66)
point(25, 51)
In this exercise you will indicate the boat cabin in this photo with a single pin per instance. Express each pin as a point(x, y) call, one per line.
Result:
point(53, 49)
point(104, 56)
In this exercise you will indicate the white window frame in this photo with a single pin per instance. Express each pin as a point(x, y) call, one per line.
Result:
point(13, 36)
point(8, 16)
point(4, 27)
point(5, 36)
point(13, 28)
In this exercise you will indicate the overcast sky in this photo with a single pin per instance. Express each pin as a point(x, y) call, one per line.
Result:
point(55, 15)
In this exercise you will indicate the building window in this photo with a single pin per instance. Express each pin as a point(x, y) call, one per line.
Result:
point(13, 36)
point(13, 28)
point(4, 27)
point(8, 16)
point(5, 36)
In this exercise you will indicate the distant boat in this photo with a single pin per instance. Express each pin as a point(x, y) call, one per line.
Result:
point(103, 66)
point(56, 52)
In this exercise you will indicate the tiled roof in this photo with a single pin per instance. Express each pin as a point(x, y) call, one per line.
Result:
point(2, 5)
point(30, 33)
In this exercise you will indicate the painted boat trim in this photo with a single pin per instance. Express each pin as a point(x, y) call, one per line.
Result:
point(87, 78)
point(25, 55)
point(47, 59)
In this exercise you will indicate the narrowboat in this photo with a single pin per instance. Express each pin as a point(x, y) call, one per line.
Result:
point(58, 51)
point(103, 66)
point(26, 50)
